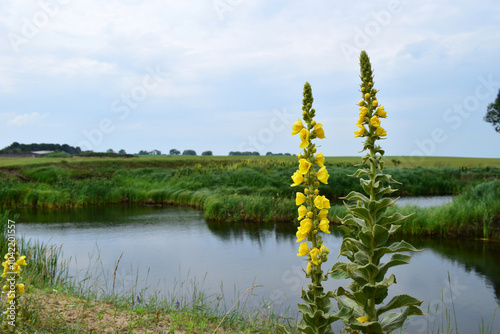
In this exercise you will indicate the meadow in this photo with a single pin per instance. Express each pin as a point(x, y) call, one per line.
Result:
point(254, 189)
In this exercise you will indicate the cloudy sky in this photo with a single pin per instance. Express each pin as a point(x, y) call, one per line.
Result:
point(227, 75)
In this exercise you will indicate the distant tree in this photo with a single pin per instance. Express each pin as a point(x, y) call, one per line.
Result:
point(269, 153)
point(207, 153)
point(189, 152)
point(288, 154)
point(155, 152)
point(110, 150)
point(122, 151)
point(143, 152)
point(174, 152)
point(493, 113)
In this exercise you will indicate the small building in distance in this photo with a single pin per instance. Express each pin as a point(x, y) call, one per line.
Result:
point(38, 154)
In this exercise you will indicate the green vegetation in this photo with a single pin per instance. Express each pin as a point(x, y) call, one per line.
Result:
point(243, 188)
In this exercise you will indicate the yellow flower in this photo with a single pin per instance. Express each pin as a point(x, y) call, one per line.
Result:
point(306, 225)
point(363, 111)
point(5, 288)
point(361, 102)
point(308, 268)
point(323, 175)
point(304, 137)
point(320, 159)
point(302, 212)
point(375, 103)
point(322, 214)
point(300, 198)
point(20, 288)
point(21, 261)
point(324, 250)
point(324, 225)
point(360, 122)
point(297, 179)
point(303, 249)
point(304, 166)
point(301, 235)
point(297, 126)
point(16, 268)
point(360, 132)
point(375, 121)
point(367, 95)
point(318, 130)
point(362, 319)
point(381, 112)
point(380, 131)
point(314, 256)
point(321, 202)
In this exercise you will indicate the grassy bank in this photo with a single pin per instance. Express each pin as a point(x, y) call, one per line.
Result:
point(54, 303)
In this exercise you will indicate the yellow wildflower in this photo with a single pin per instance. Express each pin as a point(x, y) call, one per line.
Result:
point(300, 198)
point(320, 159)
point(308, 268)
point(303, 249)
point(375, 103)
point(362, 319)
point(324, 225)
point(321, 202)
point(301, 235)
point(302, 212)
point(318, 130)
point(314, 256)
point(297, 179)
point(381, 112)
point(297, 126)
point(21, 261)
point(363, 111)
point(304, 166)
point(323, 175)
point(380, 131)
point(304, 137)
point(360, 132)
point(322, 214)
point(367, 95)
point(375, 121)
point(361, 102)
point(20, 288)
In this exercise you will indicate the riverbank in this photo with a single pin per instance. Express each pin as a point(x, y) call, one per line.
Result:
point(255, 189)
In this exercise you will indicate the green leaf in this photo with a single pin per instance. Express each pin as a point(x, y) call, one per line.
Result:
point(361, 258)
point(356, 196)
point(395, 260)
point(360, 172)
point(398, 302)
point(361, 212)
point(393, 229)
point(395, 218)
point(339, 271)
point(380, 235)
point(395, 247)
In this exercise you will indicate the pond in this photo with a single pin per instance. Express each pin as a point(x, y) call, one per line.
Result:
point(168, 248)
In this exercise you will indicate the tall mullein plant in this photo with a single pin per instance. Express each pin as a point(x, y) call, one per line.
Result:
point(367, 228)
point(312, 214)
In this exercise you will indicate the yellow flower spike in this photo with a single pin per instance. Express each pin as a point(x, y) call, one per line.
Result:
point(360, 132)
point(324, 225)
point(304, 137)
point(303, 249)
point(297, 179)
point(300, 198)
point(320, 159)
point(20, 288)
point(297, 127)
point(362, 319)
point(375, 103)
point(302, 212)
point(318, 130)
point(314, 256)
point(381, 112)
point(323, 175)
point(375, 121)
point(380, 132)
point(304, 166)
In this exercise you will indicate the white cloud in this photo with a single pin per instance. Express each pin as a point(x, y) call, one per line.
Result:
point(24, 119)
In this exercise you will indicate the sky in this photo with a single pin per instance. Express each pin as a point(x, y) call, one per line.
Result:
point(228, 75)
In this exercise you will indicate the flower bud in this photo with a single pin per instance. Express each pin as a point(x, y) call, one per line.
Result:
point(306, 191)
point(313, 150)
point(367, 95)
point(310, 214)
point(316, 191)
